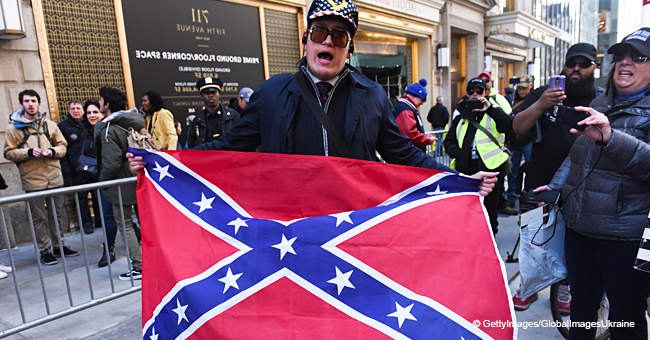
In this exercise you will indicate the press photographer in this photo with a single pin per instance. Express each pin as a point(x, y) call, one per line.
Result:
point(475, 140)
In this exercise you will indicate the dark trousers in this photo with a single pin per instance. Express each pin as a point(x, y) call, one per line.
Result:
point(86, 218)
point(596, 266)
point(491, 201)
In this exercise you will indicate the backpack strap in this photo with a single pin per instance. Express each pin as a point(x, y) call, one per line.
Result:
point(490, 135)
point(46, 132)
point(25, 138)
point(311, 100)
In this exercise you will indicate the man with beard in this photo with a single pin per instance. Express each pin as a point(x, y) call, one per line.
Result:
point(551, 141)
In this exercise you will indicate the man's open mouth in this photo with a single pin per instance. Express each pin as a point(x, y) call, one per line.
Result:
point(325, 56)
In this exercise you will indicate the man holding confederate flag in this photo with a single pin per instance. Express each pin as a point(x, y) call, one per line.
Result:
point(327, 108)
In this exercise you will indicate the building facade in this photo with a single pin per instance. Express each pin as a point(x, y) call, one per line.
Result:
point(70, 48)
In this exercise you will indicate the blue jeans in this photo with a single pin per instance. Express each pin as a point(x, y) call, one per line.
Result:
point(596, 266)
point(109, 222)
point(517, 153)
point(438, 150)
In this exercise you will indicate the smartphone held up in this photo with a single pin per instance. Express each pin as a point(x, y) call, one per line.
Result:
point(558, 82)
point(570, 117)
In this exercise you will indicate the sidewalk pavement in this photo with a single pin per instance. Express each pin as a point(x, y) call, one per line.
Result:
point(117, 319)
point(120, 318)
point(540, 309)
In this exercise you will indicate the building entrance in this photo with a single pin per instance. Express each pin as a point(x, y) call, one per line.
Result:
point(458, 67)
point(386, 59)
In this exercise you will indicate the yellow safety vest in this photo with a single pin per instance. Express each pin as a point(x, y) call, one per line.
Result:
point(491, 155)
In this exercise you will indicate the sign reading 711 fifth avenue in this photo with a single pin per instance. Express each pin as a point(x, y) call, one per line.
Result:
point(171, 44)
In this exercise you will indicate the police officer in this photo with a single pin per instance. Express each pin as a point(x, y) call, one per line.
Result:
point(214, 120)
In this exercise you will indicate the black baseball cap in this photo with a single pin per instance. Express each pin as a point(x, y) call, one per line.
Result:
point(582, 50)
point(639, 40)
point(476, 82)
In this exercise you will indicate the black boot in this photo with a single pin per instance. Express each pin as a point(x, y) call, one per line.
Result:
point(88, 229)
point(103, 262)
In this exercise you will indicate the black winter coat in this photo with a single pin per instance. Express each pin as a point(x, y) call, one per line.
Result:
point(73, 132)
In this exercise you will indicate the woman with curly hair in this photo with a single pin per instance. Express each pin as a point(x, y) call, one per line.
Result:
point(159, 121)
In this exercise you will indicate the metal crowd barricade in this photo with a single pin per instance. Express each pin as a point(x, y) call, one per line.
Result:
point(437, 152)
point(96, 290)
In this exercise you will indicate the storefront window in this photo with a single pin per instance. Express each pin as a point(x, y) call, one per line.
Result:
point(386, 59)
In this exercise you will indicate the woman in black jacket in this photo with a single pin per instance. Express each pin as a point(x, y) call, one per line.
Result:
point(93, 116)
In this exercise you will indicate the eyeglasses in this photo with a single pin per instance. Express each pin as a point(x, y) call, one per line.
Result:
point(319, 34)
point(636, 58)
point(583, 63)
point(478, 91)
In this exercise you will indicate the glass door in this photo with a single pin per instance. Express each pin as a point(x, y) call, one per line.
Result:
point(458, 67)
point(386, 59)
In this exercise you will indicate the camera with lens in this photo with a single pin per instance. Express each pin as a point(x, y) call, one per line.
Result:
point(466, 107)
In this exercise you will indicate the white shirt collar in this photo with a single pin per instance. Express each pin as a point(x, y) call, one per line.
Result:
point(316, 80)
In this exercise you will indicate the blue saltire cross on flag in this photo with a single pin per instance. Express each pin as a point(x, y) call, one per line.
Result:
point(263, 246)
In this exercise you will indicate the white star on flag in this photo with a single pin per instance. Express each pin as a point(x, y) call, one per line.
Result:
point(342, 280)
point(180, 310)
point(205, 203)
point(153, 336)
point(230, 280)
point(238, 223)
point(437, 192)
point(342, 217)
point(402, 314)
point(163, 170)
point(285, 246)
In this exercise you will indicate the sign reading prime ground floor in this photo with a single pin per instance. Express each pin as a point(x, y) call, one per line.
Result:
point(172, 44)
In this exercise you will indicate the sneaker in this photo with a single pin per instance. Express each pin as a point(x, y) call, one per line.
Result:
point(136, 274)
point(66, 251)
point(4, 268)
point(3, 275)
point(564, 299)
point(525, 303)
point(48, 259)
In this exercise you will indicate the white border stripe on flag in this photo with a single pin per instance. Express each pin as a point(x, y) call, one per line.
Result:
point(643, 254)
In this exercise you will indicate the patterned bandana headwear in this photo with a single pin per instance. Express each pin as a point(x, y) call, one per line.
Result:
point(344, 9)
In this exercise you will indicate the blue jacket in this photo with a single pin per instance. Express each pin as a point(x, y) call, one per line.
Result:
point(369, 123)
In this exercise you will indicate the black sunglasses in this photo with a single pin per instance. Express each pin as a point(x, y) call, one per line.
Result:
point(636, 58)
point(319, 34)
point(478, 90)
point(583, 64)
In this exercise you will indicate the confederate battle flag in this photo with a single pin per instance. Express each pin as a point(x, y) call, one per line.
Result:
point(263, 246)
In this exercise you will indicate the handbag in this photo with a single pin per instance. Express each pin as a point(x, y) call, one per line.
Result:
point(86, 165)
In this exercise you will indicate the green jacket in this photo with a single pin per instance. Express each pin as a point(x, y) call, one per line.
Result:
point(112, 146)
